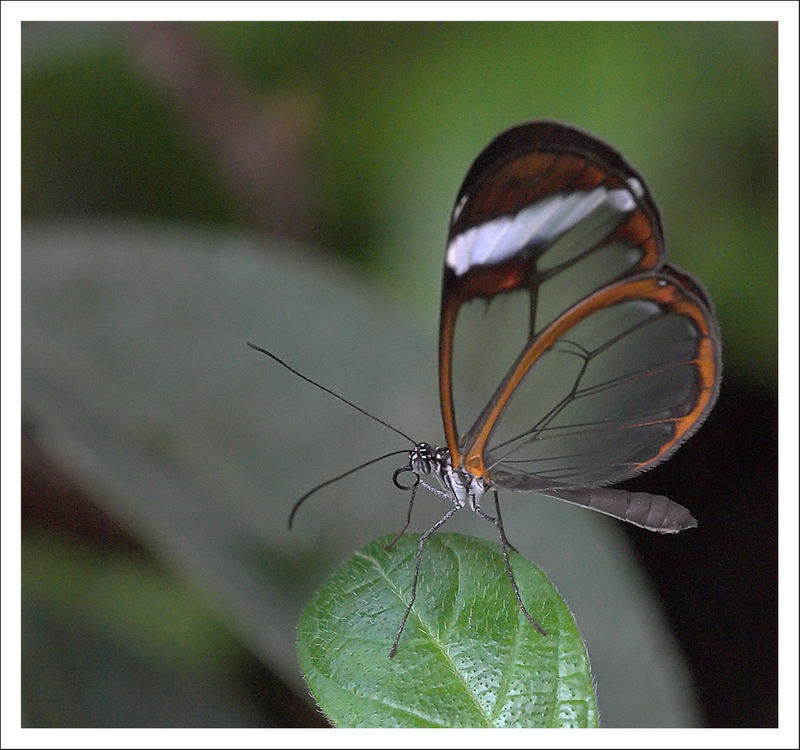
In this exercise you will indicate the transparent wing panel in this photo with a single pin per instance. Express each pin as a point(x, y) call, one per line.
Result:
point(589, 268)
point(603, 401)
point(489, 336)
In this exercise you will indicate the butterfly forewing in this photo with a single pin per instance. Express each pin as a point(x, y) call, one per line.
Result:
point(595, 359)
point(481, 358)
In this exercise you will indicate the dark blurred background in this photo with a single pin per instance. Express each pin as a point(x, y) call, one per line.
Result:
point(352, 139)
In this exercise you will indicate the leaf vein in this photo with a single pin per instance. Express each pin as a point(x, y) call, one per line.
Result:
point(447, 658)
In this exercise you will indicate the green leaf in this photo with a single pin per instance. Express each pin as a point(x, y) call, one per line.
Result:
point(467, 657)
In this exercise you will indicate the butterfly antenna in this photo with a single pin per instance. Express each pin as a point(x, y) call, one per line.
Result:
point(308, 494)
point(332, 393)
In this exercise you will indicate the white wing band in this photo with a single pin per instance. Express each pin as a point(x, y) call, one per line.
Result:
point(542, 222)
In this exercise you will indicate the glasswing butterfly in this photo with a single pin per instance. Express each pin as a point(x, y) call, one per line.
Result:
point(603, 358)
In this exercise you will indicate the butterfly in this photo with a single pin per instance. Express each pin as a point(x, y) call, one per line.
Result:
point(600, 357)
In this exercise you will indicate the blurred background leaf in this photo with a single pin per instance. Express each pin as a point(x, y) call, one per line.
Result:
point(190, 186)
point(138, 379)
point(162, 660)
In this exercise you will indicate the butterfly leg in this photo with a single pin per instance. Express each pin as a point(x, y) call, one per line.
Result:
point(504, 546)
point(422, 540)
point(499, 524)
point(408, 520)
point(438, 493)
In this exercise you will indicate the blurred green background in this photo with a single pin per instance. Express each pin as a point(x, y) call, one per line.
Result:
point(308, 169)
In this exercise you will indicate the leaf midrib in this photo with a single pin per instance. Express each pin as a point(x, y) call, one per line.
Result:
point(448, 660)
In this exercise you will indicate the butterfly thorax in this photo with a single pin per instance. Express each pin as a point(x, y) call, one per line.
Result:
point(457, 483)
